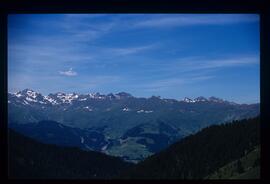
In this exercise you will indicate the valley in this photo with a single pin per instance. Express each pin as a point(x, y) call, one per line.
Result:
point(226, 151)
point(117, 124)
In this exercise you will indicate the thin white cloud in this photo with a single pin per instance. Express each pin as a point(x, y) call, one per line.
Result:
point(199, 64)
point(68, 72)
point(131, 50)
point(38, 55)
point(81, 27)
point(172, 82)
point(192, 20)
point(190, 64)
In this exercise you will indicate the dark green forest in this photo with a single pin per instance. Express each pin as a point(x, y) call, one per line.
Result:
point(201, 154)
point(29, 159)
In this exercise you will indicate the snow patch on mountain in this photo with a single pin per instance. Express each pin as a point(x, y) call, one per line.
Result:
point(148, 111)
point(18, 95)
point(125, 109)
point(82, 99)
point(200, 99)
point(88, 108)
point(188, 100)
point(67, 98)
point(91, 95)
point(51, 100)
point(30, 99)
point(29, 96)
point(143, 111)
point(31, 93)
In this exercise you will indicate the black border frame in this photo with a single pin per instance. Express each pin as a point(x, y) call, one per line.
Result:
point(139, 6)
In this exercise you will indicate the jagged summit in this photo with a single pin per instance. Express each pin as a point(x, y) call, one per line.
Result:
point(31, 96)
point(204, 99)
point(188, 100)
point(201, 99)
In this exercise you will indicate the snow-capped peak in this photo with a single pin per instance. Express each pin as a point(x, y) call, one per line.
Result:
point(126, 109)
point(99, 96)
point(32, 93)
point(67, 98)
point(200, 99)
point(30, 97)
point(91, 95)
point(26, 92)
point(50, 100)
point(18, 94)
point(188, 100)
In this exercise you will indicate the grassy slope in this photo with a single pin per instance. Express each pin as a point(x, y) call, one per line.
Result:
point(250, 165)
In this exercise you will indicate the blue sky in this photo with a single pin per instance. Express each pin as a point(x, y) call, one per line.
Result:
point(167, 55)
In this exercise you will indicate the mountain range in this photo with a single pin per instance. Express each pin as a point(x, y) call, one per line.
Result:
point(117, 124)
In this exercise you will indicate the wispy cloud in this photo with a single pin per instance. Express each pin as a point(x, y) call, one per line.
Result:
point(186, 65)
point(170, 83)
point(131, 50)
point(197, 63)
point(69, 72)
point(82, 28)
point(52, 56)
point(192, 20)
